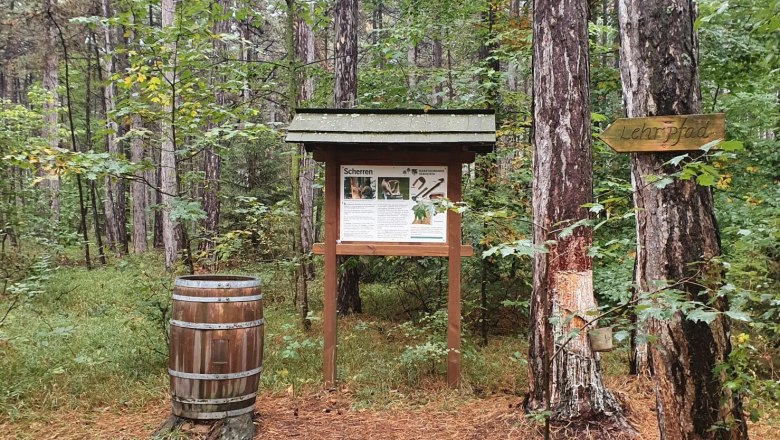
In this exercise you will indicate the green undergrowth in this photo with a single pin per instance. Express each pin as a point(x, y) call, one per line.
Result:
point(86, 340)
point(96, 338)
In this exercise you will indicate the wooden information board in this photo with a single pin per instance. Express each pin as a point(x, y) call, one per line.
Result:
point(383, 170)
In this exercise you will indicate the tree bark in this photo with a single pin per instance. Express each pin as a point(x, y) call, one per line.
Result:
point(138, 187)
point(437, 63)
point(88, 137)
point(114, 200)
point(211, 160)
point(345, 93)
point(156, 196)
point(677, 235)
point(168, 173)
point(345, 89)
point(566, 381)
point(348, 299)
point(50, 79)
point(4, 81)
point(378, 26)
point(233, 428)
point(304, 52)
point(411, 60)
point(512, 66)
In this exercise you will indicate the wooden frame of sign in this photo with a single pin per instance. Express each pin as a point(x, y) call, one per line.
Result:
point(392, 138)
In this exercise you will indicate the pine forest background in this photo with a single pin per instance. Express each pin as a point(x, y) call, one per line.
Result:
point(142, 139)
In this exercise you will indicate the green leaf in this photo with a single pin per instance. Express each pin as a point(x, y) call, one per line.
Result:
point(490, 252)
point(677, 159)
point(708, 146)
point(621, 335)
point(705, 179)
point(663, 182)
point(737, 315)
point(565, 232)
point(702, 315)
point(596, 207)
point(732, 146)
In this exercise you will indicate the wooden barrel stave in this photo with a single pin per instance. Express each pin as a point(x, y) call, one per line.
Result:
point(216, 347)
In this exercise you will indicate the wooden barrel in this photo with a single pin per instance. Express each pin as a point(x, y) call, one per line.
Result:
point(216, 346)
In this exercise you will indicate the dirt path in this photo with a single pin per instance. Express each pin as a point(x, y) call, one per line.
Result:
point(329, 417)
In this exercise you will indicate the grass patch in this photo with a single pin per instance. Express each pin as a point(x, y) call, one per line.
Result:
point(85, 341)
point(96, 338)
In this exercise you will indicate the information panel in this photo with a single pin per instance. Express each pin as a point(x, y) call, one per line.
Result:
point(393, 203)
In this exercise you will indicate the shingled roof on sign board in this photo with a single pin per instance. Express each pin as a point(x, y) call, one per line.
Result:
point(473, 129)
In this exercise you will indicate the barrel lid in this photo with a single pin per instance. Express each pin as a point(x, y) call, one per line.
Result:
point(217, 281)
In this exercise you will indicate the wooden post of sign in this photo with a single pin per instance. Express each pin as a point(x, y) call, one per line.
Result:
point(329, 318)
point(453, 274)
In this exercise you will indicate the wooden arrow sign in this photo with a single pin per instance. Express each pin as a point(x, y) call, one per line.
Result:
point(663, 133)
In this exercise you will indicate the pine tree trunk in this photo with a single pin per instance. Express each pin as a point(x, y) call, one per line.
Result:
point(50, 80)
point(88, 137)
point(210, 199)
point(512, 65)
point(348, 298)
point(437, 62)
point(168, 170)
point(638, 358)
point(305, 204)
point(138, 189)
point(211, 160)
point(677, 236)
point(378, 24)
point(4, 81)
point(411, 60)
point(345, 89)
point(138, 186)
point(567, 381)
point(156, 200)
point(345, 93)
point(114, 205)
point(304, 51)
point(154, 194)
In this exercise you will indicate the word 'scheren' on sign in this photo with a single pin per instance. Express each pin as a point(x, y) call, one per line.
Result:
point(663, 133)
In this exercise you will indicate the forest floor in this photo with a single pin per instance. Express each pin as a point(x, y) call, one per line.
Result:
point(87, 357)
point(325, 416)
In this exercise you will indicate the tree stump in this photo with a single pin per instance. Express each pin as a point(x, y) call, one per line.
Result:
point(231, 428)
point(167, 426)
